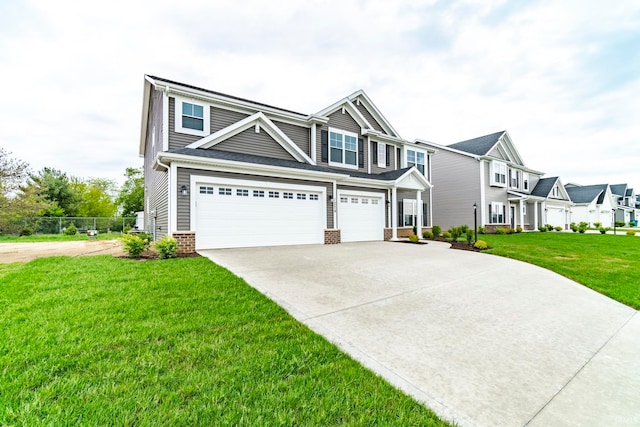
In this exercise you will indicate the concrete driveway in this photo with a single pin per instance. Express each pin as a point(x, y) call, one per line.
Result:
point(482, 340)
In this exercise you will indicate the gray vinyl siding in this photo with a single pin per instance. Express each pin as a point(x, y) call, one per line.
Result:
point(367, 115)
point(259, 144)
point(343, 122)
point(184, 178)
point(456, 187)
point(155, 182)
point(300, 135)
point(221, 118)
point(392, 162)
point(497, 154)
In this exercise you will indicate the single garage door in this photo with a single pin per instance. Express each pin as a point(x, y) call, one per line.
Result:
point(555, 216)
point(360, 216)
point(233, 213)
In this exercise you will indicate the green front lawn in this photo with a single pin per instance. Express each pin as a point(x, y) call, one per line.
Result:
point(108, 341)
point(606, 263)
point(57, 237)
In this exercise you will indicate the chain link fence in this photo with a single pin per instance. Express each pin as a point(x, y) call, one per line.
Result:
point(57, 225)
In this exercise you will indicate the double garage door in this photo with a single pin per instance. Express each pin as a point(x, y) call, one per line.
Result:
point(242, 213)
point(238, 213)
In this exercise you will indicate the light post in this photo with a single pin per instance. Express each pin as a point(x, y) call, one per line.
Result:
point(613, 214)
point(475, 222)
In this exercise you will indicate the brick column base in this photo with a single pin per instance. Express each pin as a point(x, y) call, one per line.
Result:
point(388, 232)
point(186, 241)
point(332, 237)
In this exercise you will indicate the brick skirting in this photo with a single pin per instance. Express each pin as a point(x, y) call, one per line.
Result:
point(388, 233)
point(186, 241)
point(332, 236)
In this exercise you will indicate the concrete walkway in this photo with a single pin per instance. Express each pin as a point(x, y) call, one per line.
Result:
point(482, 340)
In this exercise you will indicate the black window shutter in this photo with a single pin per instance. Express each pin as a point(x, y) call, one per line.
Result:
point(324, 146)
point(360, 153)
point(374, 148)
point(389, 148)
point(400, 215)
point(490, 214)
point(504, 214)
point(398, 161)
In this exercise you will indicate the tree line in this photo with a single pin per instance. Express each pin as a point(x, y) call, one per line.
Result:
point(52, 193)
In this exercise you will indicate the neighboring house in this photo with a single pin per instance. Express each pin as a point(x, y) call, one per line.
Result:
point(626, 203)
point(592, 203)
point(223, 171)
point(488, 172)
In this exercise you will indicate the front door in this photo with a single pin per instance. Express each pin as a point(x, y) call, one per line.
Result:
point(512, 211)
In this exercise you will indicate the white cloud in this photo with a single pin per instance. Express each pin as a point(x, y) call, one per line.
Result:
point(559, 76)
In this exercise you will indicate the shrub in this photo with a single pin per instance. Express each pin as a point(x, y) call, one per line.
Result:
point(436, 230)
point(511, 230)
point(167, 247)
point(549, 227)
point(481, 244)
point(603, 230)
point(631, 232)
point(620, 223)
point(415, 230)
point(455, 232)
point(464, 229)
point(582, 229)
point(632, 224)
point(583, 224)
point(413, 238)
point(26, 231)
point(134, 244)
point(518, 229)
point(542, 228)
point(469, 235)
point(573, 227)
point(446, 235)
point(597, 224)
point(481, 229)
point(427, 234)
point(501, 230)
point(557, 228)
point(71, 230)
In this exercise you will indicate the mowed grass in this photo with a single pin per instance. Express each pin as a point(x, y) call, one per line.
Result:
point(107, 341)
point(57, 237)
point(606, 263)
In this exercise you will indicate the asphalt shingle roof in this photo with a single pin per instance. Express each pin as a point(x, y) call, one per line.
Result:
point(544, 186)
point(587, 193)
point(479, 146)
point(293, 164)
point(619, 189)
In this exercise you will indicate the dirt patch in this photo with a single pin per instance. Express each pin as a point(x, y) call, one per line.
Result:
point(23, 252)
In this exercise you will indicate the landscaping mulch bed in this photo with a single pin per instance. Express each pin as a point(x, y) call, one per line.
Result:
point(463, 246)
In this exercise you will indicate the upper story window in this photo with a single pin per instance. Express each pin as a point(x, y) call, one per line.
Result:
point(416, 158)
point(382, 155)
point(191, 117)
point(514, 178)
point(525, 181)
point(555, 192)
point(498, 174)
point(343, 148)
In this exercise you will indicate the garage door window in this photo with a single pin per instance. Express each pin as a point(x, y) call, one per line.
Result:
point(242, 193)
point(206, 190)
point(287, 195)
point(224, 191)
point(313, 197)
point(274, 194)
point(258, 193)
point(301, 196)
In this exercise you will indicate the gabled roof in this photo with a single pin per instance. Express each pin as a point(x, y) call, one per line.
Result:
point(351, 109)
point(587, 193)
point(544, 187)
point(629, 192)
point(619, 189)
point(361, 96)
point(480, 146)
point(258, 121)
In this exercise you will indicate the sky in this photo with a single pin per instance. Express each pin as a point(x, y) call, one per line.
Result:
point(562, 77)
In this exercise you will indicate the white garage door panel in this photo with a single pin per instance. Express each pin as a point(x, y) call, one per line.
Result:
point(360, 217)
point(555, 216)
point(233, 220)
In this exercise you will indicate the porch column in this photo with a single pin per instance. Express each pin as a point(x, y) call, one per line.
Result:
point(394, 214)
point(543, 213)
point(419, 213)
point(521, 214)
point(535, 215)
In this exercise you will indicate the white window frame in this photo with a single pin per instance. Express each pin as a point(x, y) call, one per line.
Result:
point(382, 155)
point(501, 169)
point(497, 210)
point(525, 181)
point(416, 163)
point(206, 119)
point(343, 163)
point(555, 191)
point(514, 175)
